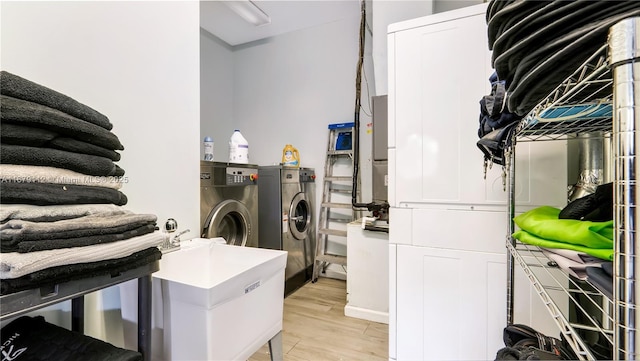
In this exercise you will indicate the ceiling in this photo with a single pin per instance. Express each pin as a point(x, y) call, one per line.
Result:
point(286, 16)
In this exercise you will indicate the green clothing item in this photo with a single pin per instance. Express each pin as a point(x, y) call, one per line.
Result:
point(525, 237)
point(543, 222)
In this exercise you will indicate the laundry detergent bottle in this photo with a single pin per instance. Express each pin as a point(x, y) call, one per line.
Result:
point(238, 148)
point(290, 156)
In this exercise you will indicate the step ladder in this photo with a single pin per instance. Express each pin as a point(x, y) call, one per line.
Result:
point(335, 210)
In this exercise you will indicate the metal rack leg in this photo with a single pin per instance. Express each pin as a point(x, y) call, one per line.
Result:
point(144, 316)
point(510, 184)
point(624, 45)
point(77, 314)
point(275, 347)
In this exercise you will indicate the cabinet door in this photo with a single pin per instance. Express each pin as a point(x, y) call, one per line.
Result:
point(450, 304)
point(439, 72)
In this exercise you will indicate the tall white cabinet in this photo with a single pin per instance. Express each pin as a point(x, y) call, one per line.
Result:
point(447, 280)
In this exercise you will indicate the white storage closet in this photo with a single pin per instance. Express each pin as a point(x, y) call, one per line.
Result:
point(447, 259)
point(615, 70)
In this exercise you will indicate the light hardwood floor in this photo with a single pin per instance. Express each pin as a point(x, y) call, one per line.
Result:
point(315, 327)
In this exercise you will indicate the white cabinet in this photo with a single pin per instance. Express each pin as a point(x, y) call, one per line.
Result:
point(450, 304)
point(439, 70)
point(446, 242)
point(368, 276)
point(438, 67)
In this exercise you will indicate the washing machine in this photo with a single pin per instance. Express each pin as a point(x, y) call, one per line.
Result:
point(286, 219)
point(229, 202)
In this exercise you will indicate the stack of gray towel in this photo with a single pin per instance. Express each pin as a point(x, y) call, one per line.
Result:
point(61, 215)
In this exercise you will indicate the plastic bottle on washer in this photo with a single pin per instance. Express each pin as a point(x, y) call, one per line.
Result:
point(208, 148)
point(238, 148)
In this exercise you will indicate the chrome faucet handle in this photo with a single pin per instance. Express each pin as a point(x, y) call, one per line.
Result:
point(176, 238)
point(171, 225)
point(170, 241)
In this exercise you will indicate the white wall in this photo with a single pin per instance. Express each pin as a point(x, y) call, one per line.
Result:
point(290, 87)
point(385, 13)
point(440, 6)
point(137, 63)
point(216, 94)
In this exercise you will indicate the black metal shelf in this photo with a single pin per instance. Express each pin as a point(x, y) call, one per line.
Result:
point(19, 303)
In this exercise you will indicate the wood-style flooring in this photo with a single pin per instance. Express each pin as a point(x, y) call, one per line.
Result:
point(315, 327)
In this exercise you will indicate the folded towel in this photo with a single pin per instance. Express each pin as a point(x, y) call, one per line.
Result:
point(44, 244)
point(28, 212)
point(95, 224)
point(81, 163)
point(45, 194)
point(599, 278)
point(14, 265)
point(23, 112)
point(526, 237)
point(77, 146)
point(572, 262)
point(25, 135)
point(575, 256)
point(18, 87)
point(60, 274)
point(34, 339)
point(30, 136)
point(15, 173)
point(544, 223)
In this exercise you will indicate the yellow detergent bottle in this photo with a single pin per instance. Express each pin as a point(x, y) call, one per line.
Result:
point(290, 156)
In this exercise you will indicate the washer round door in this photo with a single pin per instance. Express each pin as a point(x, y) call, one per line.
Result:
point(230, 220)
point(299, 216)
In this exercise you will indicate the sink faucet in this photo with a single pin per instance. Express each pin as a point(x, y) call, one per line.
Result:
point(176, 238)
point(172, 243)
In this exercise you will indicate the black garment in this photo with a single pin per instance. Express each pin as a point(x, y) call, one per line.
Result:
point(596, 207)
point(23, 112)
point(538, 44)
point(524, 343)
point(540, 72)
point(47, 157)
point(18, 87)
point(32, 136)
point(57, 243)
point(599, 278)
point(59, 274)
point(33, 339)
point(45, 194)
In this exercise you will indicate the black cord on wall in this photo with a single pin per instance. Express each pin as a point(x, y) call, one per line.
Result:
point(356, 127)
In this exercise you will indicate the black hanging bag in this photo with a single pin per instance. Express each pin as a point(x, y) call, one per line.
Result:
point(524, 343)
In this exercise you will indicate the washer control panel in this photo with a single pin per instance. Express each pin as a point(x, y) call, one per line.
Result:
point(241, 176)
point(307, 175)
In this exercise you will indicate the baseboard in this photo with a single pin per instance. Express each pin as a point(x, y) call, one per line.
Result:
point(366, 314)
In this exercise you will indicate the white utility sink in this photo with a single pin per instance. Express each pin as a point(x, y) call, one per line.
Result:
point(220, 302)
